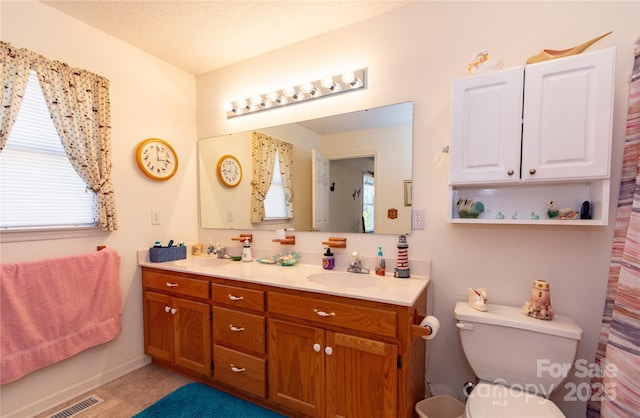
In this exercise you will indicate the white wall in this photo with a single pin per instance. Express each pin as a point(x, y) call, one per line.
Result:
point(149, 98)
point(413, 54)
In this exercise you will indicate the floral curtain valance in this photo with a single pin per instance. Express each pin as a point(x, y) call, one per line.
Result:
point(78, 102)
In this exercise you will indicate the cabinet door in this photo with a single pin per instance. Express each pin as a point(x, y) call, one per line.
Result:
point(296, 367)
point(192, 330)
point(362, 377)
point(486, 128)
point(158, 326)
point(568, 117)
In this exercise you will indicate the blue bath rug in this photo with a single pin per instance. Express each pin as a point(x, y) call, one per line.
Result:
point(201, 401)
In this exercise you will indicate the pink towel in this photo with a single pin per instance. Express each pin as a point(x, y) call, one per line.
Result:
point(52, 309)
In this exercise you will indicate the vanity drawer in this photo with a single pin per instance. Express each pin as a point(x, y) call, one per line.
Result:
point(361, 318)
point(238, 297)
point(239, 330)
point(176, 285)
point(242, 371)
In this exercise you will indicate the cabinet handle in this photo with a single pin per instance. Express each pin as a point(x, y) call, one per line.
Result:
point(173, 311)
point(328, 351)
point(323, 314)
point(236, 369)
point(532, 171)
point(510, 172)
point(169, 284)
point(316, 347)
point(235, 298)
point(167, 308)
point(235, 329)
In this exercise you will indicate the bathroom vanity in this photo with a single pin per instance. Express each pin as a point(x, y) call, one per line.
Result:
point(299, 340)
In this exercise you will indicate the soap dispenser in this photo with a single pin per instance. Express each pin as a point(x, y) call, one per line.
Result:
point(380, 263)
point(246, 251)
point(328, 262)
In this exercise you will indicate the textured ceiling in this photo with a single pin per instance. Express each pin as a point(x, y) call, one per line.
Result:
point(201, 36)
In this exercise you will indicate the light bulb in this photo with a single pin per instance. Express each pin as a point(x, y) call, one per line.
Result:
point(273, 96)
point(349, 77)
point(258, 101)
point(242, 104)
point(290, 92)
point(309, 89)
point(328, 83)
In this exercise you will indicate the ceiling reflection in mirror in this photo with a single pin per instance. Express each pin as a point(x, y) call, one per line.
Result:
point(349, 174)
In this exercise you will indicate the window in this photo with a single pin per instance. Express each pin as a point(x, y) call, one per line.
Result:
point(275, 205)
point(38, 186)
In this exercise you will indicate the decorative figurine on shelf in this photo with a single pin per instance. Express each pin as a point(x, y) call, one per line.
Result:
point(552, 210)
point(481, 63)
point(539, 306)
point(468, 208)
point(565, 213)
point(548, 54)
point(478, 299)
point(585, 210)
point(402, 270)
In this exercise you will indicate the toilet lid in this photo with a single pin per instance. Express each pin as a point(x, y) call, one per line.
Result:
point(497, 401)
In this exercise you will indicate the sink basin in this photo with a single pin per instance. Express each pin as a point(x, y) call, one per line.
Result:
point(202, 262)
point(346, 280)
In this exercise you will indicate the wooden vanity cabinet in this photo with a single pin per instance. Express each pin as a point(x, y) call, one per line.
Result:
point(338, 357)
point(177, 324)
point(239, 338)
point(302, 353)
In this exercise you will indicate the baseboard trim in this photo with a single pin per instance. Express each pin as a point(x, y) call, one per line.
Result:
point(78, 389)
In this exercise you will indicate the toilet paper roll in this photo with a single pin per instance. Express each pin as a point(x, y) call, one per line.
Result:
point(433, 323)
point(280, 234)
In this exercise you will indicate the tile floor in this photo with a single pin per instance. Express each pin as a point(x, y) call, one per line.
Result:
point(129, 394)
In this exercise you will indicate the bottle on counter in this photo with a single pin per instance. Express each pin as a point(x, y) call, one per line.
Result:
point(380, 271)
point(328, 261)
point(246, 251)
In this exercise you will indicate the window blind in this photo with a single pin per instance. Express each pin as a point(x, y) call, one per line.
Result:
point(38, 186)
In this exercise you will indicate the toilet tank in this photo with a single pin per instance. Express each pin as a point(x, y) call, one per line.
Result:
point(503, 345)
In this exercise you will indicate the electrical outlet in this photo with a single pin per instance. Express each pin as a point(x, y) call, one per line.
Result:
point(417, 219)
point(155, 217)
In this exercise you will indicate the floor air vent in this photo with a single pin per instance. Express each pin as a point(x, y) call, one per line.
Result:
point(77, 407)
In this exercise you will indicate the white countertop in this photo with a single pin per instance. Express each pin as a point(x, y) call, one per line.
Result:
point(387, 289)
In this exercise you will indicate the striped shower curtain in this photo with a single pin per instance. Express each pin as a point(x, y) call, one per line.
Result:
point(615, 389)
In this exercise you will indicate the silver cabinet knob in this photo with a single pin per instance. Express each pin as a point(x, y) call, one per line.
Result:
point(532, 171)
point(316, 347)
point(510, 172)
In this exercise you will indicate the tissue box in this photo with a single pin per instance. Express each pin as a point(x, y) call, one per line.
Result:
point(161, 254)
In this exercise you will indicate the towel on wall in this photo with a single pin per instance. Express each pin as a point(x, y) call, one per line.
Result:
point(54, 308)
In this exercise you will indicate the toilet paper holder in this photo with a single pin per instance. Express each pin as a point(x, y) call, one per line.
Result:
point(418, 330)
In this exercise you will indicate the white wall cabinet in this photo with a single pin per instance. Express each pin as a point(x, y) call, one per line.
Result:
point(548, 123)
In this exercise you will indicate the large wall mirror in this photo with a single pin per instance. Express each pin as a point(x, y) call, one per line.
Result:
point(351, 174)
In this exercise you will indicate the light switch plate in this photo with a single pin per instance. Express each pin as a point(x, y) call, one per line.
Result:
point(155, 216)
point(417, 218)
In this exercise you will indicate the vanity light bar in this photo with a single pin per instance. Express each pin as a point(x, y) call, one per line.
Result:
point(342, 83)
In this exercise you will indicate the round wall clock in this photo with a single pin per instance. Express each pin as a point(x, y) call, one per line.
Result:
point(157, 159)
point(229, 170)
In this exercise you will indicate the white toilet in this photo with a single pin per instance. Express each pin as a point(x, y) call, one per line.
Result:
point(518, 360)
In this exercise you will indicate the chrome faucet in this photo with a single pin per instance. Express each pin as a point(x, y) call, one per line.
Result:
point(355, 265)
point(218, 250)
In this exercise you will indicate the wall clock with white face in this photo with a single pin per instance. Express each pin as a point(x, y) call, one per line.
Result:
point(229, 170)
point(157, 159)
